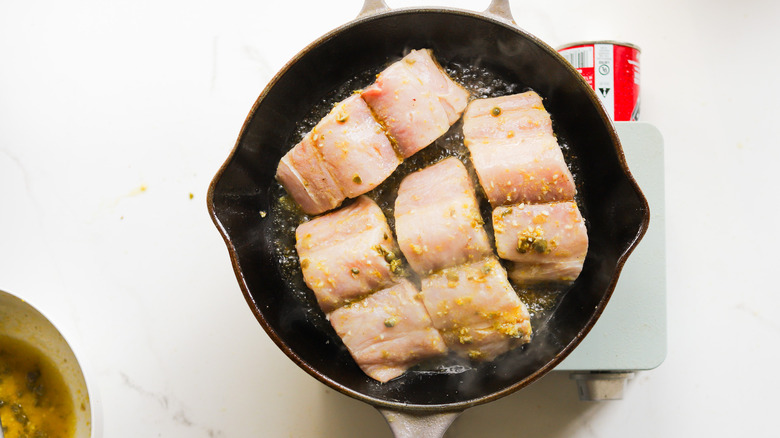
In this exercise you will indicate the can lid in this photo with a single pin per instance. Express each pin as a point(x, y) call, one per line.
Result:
point(587, 43)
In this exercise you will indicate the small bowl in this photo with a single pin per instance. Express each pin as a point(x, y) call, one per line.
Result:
point(20, 320)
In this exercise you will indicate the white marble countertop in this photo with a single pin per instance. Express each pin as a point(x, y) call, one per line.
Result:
point(115, 115)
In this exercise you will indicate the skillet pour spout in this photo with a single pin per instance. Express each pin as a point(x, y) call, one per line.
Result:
point(423, 403)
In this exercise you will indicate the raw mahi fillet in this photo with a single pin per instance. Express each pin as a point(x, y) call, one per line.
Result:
point(452, 97)
point(476, 310)
point(345, 155)
point(416, 101)
point(347, 254)
point(548, 242)
point(564, 272)
point(388, 332)
point(305, 177)
point(437, 218)
point(354, 147)
point(520, 115)
point(514, 151)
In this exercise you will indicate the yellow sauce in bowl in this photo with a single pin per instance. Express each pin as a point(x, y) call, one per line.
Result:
point(35, 402)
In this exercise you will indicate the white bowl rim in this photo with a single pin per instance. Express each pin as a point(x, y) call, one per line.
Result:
point(96, 418)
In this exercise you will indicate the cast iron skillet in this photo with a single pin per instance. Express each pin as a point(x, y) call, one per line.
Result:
point(425, 403)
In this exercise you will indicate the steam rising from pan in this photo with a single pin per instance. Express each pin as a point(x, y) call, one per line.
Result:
point(481, 82)
point(617, 212)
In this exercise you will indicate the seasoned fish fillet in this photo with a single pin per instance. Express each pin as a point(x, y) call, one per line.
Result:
point(416, 101)
point(437, 218)
point(388, 332)
point(345, 155)
point(549, 241)
point(452, 96)
point(514, 151)
point(347, 254)
point(354, 147)
point(526, 170)
point(563, 272)
point(519, 115)
point(305, 177)
point(476, 310)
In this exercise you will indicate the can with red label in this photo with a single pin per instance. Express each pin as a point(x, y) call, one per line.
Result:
point(612, 69)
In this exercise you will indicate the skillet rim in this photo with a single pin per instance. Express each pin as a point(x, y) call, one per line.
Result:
point(509, 389)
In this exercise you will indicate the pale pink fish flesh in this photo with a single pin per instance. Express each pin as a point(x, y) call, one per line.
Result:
point(476, 310)
point(388, 332)
point(549, 242)
point(416, 101)
point(514, 151)
point(303, 174)
point(519, 115)
point(345, 155)
point(437, 218)
point(452, 96)
point(564, 272)
point(354, 147)
point(346, 254)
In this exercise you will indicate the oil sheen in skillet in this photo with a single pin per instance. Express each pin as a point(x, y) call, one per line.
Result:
point(286, 215)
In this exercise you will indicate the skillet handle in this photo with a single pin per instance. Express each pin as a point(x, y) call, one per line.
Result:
point(500, 9)
point(497, 8)
point(424, 425)
point(371, 7)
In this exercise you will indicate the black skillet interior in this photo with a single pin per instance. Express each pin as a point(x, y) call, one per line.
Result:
point(615, 210)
